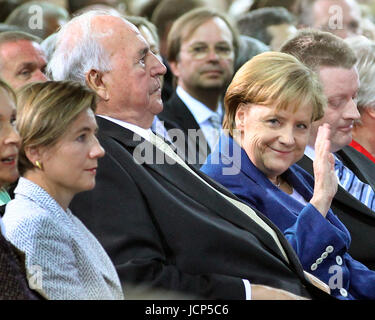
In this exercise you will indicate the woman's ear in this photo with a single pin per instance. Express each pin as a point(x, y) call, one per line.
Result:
point(240, 117)
point(33, 154)
point(94, 80)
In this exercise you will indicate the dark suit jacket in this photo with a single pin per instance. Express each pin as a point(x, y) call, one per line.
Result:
point(358, 218)
point(163, 227)
point(13, 282)
point(175, 111)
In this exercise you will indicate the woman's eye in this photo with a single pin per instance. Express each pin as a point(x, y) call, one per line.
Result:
point(81, 138)
point(25, 73)
point(273, 121)
point(302, 126)
point(13, 121)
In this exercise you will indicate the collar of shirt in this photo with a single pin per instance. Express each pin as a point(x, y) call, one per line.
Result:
point(200, 111)
point(202, 115)
point(310, 152)
point(144, 133)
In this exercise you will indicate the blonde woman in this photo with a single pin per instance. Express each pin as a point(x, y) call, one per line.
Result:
point(58, 158)
point(270, 106)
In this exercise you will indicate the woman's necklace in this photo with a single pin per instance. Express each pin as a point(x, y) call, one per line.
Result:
point(278, 182)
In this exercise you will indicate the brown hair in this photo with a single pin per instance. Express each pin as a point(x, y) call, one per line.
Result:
point(184, 26)
point(273, 78)
point(316, 48)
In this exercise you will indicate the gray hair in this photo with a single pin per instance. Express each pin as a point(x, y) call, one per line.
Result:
point(48, 45)
point(73, 58)
point(364, 49)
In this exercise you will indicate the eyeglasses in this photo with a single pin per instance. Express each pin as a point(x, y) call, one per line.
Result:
point(201, 51)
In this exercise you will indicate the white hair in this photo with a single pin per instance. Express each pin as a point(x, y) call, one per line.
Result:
point(364, 49)
point(74, 58)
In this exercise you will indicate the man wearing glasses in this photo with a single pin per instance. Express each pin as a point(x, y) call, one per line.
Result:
point(202, 46)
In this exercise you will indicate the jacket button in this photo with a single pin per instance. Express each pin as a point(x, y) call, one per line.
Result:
point(343, 292)
point(339, 260)
point(314, 266)
point(329, 249)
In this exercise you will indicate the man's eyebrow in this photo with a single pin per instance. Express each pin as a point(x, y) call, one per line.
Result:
point(26, 65)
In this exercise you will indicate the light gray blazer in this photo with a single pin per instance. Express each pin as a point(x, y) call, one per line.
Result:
point(63, 259)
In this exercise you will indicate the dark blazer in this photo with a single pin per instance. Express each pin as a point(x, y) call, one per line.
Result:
point(306, 229)
point(175, 111)
point(13, 282)
point(165, 228)
point(358, 218)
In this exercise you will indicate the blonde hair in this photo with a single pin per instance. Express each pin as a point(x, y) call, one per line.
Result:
point(274, 78)
point(44, 112)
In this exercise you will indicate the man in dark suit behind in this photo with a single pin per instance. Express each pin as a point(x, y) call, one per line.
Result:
point(164, 224)
point(334, 62)
point(201, 50)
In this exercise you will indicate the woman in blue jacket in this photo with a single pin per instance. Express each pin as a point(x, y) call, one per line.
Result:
point(270, 105)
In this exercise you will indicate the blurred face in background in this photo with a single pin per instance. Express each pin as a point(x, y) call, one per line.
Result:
point(9, 139)
point(340, 17)
point(206, 58)
point(22, 62)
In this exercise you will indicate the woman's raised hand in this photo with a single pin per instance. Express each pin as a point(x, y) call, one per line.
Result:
point(325, 186)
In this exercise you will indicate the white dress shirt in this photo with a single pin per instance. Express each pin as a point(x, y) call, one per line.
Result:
point(202, 114)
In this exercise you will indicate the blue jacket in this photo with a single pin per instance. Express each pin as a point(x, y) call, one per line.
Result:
point(320, 243)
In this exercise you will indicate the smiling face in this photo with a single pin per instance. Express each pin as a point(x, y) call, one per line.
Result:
point(9, 139)
point(205, 61)
point(273, 140)
point(22, 62)
point(340, 87)
point(70, 165)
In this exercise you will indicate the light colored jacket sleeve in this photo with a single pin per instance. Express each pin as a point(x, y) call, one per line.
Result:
point(50, 261)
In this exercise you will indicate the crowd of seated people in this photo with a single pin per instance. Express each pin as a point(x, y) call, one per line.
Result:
point(188, 149)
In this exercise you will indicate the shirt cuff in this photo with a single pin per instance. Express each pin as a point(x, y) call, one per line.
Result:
point(247, 289)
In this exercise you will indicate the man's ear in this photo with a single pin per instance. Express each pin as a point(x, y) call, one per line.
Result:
point(371, 112)
point(174, 68)
point(94, 80)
